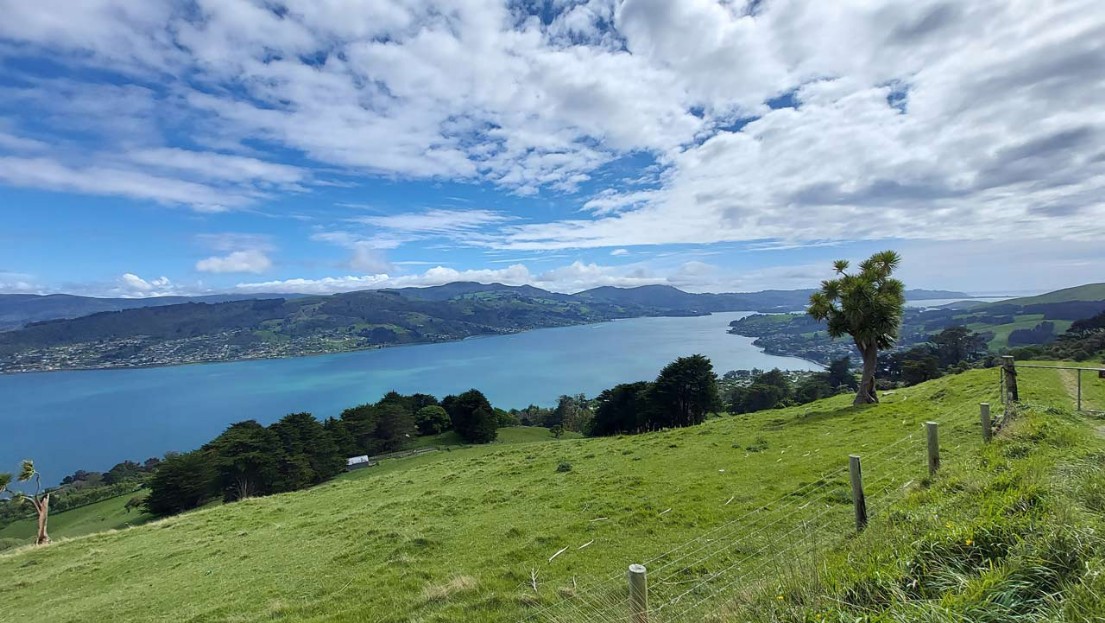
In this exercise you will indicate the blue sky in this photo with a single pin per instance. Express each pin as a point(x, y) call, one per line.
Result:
point(186, 147)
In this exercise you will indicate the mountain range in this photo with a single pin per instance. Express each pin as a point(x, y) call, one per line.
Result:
point(19, 310)
point(168, 332)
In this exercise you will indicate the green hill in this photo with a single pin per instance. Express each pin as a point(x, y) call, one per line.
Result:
point(1087, 292)
point(732, 517)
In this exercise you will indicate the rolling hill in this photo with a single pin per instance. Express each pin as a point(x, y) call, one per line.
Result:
point(741, 518)
point(198, 331)
point(1090, 292)
point(18, 310)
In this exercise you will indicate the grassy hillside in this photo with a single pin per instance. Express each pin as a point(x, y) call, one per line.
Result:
point(1087, 292)
point(466, 534)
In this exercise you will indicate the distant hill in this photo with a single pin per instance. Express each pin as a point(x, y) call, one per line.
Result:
point(463, 289)
point(761, 301)
point(174, 330)
point(17, 310)
point(1032, 320)
point(1090, 292)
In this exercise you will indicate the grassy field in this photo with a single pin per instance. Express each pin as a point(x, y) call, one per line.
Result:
point(1023, 321)
point(539, 530)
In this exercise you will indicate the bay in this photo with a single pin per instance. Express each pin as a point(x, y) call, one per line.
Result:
point(93, 419)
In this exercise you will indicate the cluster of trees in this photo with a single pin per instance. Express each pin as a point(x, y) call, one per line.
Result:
point(775, 389)
point(952, 350)
point(572, 413)
point(683, 393)
point(1085, 339)
point(246, 460)
point(1042, 333)
point(299, 451)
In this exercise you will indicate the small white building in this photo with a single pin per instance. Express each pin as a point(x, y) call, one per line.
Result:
point(356, 462)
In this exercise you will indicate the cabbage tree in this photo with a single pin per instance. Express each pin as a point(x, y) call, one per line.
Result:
point(867, 305)
point(39, 499)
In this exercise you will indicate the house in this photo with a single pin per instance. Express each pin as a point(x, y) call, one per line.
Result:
point(357, 462)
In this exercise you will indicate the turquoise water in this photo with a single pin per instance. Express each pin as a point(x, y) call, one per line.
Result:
point(94, 419)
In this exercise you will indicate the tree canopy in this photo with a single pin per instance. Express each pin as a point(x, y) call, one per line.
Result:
point(866, 305)
point(472, 416)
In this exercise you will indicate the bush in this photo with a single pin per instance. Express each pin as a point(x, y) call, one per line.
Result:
point(564, 467)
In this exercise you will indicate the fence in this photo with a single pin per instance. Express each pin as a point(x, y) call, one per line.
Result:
point(687, 582)
point(1085, 386)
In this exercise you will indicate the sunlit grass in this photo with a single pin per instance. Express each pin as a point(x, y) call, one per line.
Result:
point(467, 534)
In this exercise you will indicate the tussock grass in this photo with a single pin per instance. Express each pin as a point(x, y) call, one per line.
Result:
point(467, 535)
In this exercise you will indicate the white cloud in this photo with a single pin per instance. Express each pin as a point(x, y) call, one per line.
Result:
point(927, 120)
point(573, 277)
point(368, 259)
point(132, 286)
point(436, 222)
point(619, 252)
point(18, 283)
point(250, 261)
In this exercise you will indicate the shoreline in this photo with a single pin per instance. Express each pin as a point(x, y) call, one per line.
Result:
point(111, 368)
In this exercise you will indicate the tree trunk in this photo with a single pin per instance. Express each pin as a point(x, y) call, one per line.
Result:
point(866, 393)
point(43, 508)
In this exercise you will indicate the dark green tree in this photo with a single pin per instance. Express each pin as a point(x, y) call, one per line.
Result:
point(311, 454)
point(919, 366)
point(840, 374)
point(757, 397)
point(247, 458)
point(867, 305)
point(394, 427)
point(958, 344)
point(431, 420)
point(182, 482)
point(622, 409)
point(360, 423)
point(684, 392)
point(813, 387)
point(342, 438)
point(472, 416)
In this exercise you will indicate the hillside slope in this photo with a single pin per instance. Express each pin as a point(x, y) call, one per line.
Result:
point(18, 310)
point(462, 535)
point(1088, 292)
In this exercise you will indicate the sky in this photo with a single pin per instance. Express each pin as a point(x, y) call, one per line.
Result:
point(199, 146)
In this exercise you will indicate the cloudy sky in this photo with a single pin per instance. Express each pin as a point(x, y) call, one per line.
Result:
point(167, 147)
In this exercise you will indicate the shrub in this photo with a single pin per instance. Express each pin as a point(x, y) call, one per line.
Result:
point(564, 467)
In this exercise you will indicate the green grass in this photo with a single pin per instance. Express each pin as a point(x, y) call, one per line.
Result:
point(108, 514)
point(460, 535)
point(1009, 532)
point(1023, 321)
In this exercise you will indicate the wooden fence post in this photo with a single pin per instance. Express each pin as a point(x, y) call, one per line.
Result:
point(858, 500)
point(1079, 389)
point(1009, 374)
point(638, 594)
point(934, 447)
point(984, 417)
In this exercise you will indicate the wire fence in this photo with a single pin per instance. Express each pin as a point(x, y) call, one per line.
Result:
point(696, 578)
point(1084, 386)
